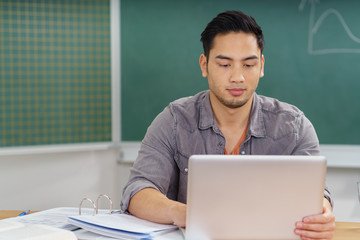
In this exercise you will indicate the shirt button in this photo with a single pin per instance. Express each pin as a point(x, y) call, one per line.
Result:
point(242, 152)
point(186, 169)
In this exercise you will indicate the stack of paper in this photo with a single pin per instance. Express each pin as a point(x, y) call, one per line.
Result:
point(121, 226)
point(55, 217)
point(58, 218)
point(12, 230)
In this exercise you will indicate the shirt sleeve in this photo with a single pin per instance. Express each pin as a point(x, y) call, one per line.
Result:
point(155, 166)
point(308, 144)
point(307, 140)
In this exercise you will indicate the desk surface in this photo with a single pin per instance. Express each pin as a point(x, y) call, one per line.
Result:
point(344, 230)
point(7, 214)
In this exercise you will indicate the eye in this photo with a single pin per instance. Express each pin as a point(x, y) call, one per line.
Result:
point(248, 65)
point(224, 65)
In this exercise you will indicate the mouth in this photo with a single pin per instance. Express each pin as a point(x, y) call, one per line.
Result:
point(236, 91)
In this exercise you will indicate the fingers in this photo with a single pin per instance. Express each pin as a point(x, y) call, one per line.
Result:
point(310, 235)
point(316, 227)
point(320, 226)
point(178, 214)
point(315, 231)
point(326, 217)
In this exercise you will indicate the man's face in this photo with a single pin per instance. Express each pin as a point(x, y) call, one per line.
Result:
point(233, 68)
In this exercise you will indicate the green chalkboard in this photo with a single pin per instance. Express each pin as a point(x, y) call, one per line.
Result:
point(55, 81)
point(312, 59)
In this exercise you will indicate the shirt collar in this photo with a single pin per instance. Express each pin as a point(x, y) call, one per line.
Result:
point(206, 119)
point(256, 125)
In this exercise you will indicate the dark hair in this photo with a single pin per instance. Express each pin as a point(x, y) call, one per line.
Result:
point(231, 21)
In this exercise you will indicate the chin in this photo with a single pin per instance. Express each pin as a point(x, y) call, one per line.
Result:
point(234, 104)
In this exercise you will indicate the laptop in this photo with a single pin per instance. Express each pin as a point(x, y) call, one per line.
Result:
point(252, 197)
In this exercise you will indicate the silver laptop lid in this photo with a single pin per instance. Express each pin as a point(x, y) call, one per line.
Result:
point(252, 197)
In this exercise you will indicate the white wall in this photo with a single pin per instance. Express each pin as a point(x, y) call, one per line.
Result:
point(343, 173)
point(342, 183)
point(39, 181)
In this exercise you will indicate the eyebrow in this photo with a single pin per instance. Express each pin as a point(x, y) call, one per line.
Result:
point(229, 58)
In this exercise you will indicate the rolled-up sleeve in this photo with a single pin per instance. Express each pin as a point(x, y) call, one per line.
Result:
point(154, 166)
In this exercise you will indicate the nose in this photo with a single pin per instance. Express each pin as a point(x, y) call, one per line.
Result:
point(237, 74)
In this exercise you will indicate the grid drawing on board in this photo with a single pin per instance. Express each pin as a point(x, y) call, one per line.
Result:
point(55, 83)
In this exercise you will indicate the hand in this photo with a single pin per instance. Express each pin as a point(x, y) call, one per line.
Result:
point(151, 205)
point(320, 226)
point(178, 214)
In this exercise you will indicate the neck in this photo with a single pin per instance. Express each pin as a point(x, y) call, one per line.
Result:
point(231, 117)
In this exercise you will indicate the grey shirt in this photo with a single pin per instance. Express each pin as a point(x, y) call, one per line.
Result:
point(187, 126)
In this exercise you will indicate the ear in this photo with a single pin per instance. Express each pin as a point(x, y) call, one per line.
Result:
point(203, 65)
point(262, 66)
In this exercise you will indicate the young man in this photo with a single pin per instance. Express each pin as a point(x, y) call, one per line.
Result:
point(230, 118)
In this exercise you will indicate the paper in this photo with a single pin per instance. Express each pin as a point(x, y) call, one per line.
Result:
point(11, 230)
point(121, 226)
point(58, 217)
point(86, 235)
point(6, 225)
point(55, 217)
